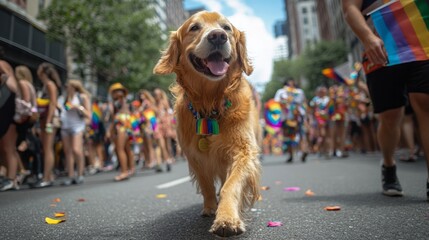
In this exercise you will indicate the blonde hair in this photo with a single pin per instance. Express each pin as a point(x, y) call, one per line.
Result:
point(78, 86)
point(147, 95)
point(23, 73)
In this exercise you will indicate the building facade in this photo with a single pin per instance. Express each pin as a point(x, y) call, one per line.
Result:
point(23, 38)
point(303, 25)
point(176, 14)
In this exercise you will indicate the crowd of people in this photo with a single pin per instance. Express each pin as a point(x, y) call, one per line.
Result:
point(62, 132)
point(337, 120)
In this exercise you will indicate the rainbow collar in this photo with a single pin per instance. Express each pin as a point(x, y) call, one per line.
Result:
point(207, 125)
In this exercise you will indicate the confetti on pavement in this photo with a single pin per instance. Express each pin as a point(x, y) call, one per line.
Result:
point(333, 208)
point(309, 193)
point(292, 189)
point(160, 196)
point(265, 188)
point(274, 224)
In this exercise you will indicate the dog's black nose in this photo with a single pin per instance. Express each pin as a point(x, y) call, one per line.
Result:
point(217, 37)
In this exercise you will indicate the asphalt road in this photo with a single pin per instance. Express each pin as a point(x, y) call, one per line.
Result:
point(133, 209)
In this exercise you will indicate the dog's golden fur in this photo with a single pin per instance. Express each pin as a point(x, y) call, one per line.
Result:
point(232, 158)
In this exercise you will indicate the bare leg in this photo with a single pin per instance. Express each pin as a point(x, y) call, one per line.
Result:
point(419, 102)
point(77, 145)
point(389, 133)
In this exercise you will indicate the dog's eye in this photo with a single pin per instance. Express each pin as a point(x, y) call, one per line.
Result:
point(194, 28)
point(227, 28)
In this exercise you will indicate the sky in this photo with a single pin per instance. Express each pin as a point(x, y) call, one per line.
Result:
point(256, 18)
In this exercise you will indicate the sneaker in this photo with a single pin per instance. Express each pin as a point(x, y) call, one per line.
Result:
point(43, 184)
point(391, 185)
point(78, 180)
point(67, 182)
point(304, 157)
point(9, 185)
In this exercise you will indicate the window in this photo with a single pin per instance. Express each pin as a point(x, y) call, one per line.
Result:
point(305, 20)
point(304, 10)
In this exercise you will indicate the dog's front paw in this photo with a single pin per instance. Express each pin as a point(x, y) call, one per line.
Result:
point(227, 228)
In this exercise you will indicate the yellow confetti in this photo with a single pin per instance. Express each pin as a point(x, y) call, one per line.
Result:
point(53, 221)
point(260, 198)
point(264, 188)
point(161, 196)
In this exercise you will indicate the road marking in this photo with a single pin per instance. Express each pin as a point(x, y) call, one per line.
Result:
point(174, 183)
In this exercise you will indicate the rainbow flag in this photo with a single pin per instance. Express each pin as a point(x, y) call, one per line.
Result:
point(272, 114)
point(150, 116)
point(95, 117)
point(403, 26)
point(335, 75)
point(67, 105)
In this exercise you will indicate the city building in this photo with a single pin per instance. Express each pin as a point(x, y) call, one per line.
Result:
point(176, 14)
point(23, 38)
point(302, 24)
point(332, 26)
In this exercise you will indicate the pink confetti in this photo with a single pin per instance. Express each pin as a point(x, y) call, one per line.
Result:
point(292, 189)
point(274, 224)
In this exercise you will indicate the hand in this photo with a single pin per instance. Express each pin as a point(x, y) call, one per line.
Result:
point(374, 48)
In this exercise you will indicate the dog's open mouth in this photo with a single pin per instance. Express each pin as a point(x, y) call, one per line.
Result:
point(214, 65)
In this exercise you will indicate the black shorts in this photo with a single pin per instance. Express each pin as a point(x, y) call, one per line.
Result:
point(388, 86)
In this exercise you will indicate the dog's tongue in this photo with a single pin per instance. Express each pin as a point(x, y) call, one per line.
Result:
point(217, 67)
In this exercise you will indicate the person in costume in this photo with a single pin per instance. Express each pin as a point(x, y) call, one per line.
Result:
point(96, 132)
point(320, 108)
point(121, 130)
point(293, 115)
point(338, 108)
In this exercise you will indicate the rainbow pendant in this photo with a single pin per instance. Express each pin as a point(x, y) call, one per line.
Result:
point(207, 126)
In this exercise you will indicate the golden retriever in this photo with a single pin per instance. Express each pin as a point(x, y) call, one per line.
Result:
point(208, 55)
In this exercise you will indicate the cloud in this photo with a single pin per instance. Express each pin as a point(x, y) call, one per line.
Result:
point(260, 42)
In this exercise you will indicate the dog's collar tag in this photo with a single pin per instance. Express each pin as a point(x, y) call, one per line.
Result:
point(203, 144)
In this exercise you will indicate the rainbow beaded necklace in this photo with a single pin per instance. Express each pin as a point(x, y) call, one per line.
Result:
point(207, 125)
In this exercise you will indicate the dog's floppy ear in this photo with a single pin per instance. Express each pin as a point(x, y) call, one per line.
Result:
point(170, 56)
point(243, 59)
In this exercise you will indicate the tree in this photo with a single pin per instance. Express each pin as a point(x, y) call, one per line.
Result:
point(118, 40)
point(283, 70)
point(323, 55)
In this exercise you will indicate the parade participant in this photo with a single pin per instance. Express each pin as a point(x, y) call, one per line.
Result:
point(293, 114)
point(320, 108)
point(339, 101)
point(9, 89)
point(272, 125)
point(393, 70)
point(166, 130)
point(74, 117)
point(147, 128)
point(97, 131)
point(121, 130)
point(49, 119)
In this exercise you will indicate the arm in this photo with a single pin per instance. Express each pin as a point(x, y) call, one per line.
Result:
point(85, 108)
point(373, 45)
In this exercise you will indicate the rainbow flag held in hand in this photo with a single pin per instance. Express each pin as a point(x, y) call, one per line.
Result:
point(341, 74)
point(403, 27)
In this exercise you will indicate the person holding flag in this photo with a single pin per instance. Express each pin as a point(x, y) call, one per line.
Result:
point(395, 37)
